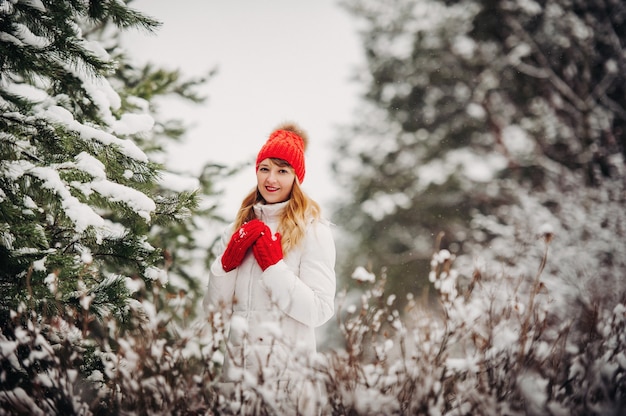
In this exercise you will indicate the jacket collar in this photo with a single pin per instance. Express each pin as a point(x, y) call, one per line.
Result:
point(269, 212)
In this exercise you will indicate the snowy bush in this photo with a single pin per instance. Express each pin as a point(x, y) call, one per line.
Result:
point(499, 346)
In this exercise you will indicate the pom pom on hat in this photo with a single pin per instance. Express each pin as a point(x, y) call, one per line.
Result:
point(287, 142)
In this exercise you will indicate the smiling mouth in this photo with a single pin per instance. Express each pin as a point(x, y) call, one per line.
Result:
point(271, 189)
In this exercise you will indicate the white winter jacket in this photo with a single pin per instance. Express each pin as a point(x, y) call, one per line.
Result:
point(274, 312)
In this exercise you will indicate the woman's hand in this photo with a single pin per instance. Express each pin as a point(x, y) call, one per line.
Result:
point(268, 250)
point(240, 242)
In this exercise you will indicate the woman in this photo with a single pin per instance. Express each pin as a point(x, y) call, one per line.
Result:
point(275, 268)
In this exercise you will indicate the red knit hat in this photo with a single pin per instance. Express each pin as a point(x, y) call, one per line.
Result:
point(287, 142)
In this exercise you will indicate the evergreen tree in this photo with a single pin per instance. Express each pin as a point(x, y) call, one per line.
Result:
point(75, 200)
point(95, 234)
point(469, 106)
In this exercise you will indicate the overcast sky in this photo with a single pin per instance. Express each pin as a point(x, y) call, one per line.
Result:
point(277, 60)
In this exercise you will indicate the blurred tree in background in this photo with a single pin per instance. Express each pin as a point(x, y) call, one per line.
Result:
point(476, 116)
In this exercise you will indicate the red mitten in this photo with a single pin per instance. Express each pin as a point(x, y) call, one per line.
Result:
point(267, 250)
point(240, 242)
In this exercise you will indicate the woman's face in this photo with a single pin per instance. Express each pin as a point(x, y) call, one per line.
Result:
point(274, 182)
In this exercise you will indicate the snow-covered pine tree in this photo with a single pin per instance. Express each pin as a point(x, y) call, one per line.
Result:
point(86, 215)
point(75, 199)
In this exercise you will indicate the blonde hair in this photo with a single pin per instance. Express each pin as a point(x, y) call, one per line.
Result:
point(293, 221)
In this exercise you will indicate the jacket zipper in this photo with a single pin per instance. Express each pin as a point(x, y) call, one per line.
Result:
point(248, 310)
